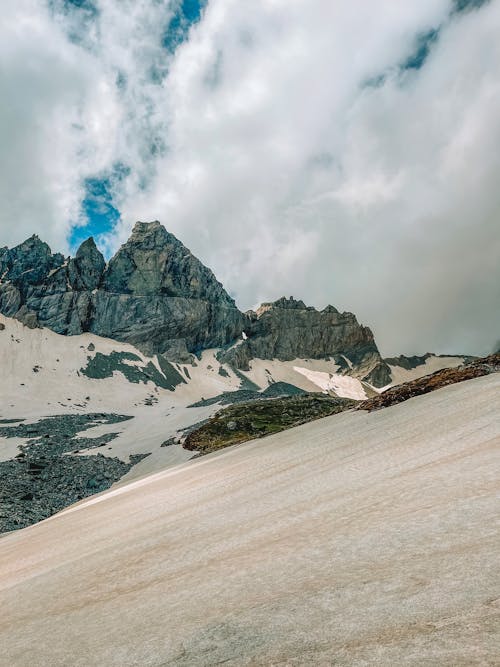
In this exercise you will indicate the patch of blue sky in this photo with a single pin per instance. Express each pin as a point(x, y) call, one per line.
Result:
point(467, 5)
point(187, 13)
point(80, 18)
point(424, 44)
point(98, 209)
point(81, 10)
point(416, 60)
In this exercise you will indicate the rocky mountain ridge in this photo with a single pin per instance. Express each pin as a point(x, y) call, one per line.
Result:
point(287, 329)
point(155, 295)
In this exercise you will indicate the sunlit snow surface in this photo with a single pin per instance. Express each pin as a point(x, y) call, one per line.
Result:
point(358, 539)
point(343, 385)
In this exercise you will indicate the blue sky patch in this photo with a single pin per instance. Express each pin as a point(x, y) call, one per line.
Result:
point(466, 5)
point(424, 45)
point(188, 13)
point(98, 207)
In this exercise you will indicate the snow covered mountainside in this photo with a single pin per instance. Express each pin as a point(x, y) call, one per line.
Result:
point(80, 413)
point(358, 539)
point(154, 294)
point(107, 367)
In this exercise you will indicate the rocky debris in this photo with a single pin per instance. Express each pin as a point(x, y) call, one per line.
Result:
point(428, 383)
point(282, 389)
point(247, 421)
point(56, 434)
point(170, 441)
point(137, 458)
point(31, 491)
point(275, 390)
point(47, 475)
point(288, 329)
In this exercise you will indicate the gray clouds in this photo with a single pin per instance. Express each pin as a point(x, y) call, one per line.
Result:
point(284, 142)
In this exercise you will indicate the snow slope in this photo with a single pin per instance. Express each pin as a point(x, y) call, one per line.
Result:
point(431, 365)
point(41, 376)
point(360, 539)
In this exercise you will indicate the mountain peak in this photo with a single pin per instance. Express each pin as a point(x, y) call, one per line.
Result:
point(154, 293)
point(86, 269)
point(86, 246)
point(142, 227)
point(143, 230)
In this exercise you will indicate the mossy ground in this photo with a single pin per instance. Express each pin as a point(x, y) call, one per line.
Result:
point(255, 419)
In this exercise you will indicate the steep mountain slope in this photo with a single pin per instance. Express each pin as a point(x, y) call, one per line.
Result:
point(362, 538)
point(155, 295)
point(287, 329)
point(120, 413)
point(106, 367)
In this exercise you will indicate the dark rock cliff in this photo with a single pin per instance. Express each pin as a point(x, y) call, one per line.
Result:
point(157, 296)
point(288, 329)
point(153, 293)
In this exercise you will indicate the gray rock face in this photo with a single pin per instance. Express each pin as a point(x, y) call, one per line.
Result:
point(157, 296)
point(288, 329)
point(154, 293)
point(29, 263)
point(85, 271)
point(408, 363)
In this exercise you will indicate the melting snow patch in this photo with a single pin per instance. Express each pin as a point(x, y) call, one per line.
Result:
point(343, 385)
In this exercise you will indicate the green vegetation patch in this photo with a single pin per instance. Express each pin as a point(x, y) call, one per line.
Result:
point(256, 419)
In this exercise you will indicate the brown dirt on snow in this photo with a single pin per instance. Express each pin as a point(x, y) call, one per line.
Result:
point(424, 385)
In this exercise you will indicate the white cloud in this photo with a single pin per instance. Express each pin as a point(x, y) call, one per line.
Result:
point(261, 146)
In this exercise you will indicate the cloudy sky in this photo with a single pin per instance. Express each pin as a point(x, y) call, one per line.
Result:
point(343, 151)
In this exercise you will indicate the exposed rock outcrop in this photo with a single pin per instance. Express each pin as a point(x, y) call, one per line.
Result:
point(437, 380)
point(153, 293)
point(288, 329)
point(157, 296)
point(408, 363)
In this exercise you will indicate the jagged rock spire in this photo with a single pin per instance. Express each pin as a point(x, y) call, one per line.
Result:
point(85, 270)
point(155, 294)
